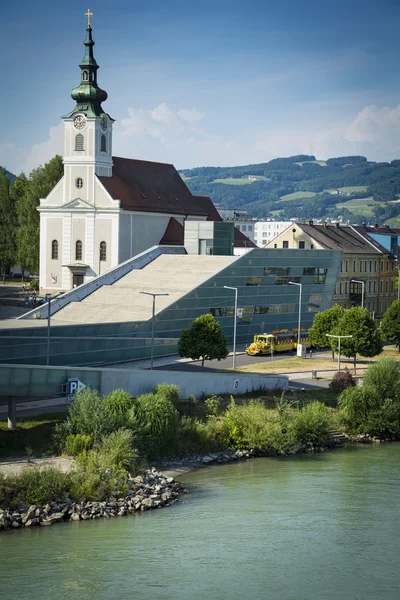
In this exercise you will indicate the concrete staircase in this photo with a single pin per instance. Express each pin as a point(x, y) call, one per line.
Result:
point(339, 438)
point(122, 302)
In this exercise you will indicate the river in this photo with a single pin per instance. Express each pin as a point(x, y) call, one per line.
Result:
point(324, 526)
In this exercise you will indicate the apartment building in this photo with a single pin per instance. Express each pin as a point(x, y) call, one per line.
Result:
point(265, 231)
point(368, 267)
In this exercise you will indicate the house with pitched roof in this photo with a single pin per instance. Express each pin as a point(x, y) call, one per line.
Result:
point(368, 268)
point(107, 209)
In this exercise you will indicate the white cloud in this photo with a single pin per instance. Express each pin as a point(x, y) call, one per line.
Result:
point(44, 151)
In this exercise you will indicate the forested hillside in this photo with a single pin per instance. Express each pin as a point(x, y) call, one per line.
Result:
point(301, 187)
point(10, 176)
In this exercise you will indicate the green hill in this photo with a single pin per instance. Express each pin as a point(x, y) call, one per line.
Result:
point(350, 186)
point(10, 176)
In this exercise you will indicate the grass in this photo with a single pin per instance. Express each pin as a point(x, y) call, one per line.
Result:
point(233, 181)
point(360, 206)
point(352, 189)
point(275, 213)
point(33, 435)
point(297, 196)
point(322, 363)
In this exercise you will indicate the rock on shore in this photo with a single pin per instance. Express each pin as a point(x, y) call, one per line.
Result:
point(147, 491)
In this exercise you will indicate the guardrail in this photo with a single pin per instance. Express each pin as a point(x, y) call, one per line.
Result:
point(85, 289)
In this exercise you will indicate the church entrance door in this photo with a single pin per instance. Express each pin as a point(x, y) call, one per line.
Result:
point(76, 280)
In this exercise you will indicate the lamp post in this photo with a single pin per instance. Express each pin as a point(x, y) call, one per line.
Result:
point(300, 285)
point(362, 289)
point(338, 337)
point(152, 323)
point(48, 300)
point(228, 287)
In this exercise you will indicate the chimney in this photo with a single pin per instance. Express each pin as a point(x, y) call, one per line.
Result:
point(337, 225)
point(310, 222)
point(323, 223)
point(376, 225)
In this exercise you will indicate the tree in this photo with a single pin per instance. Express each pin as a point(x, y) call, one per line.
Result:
point(204, 339)
point(390, 324)
point(40, 183)
point(366, 340)
point(8, 224)
point(324, 323)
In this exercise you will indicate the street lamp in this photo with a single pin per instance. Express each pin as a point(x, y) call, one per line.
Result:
point(228, 287)
point(362, 289)
point(152, 323)
point(300, 285)
point(48, 300)
point(338, 337)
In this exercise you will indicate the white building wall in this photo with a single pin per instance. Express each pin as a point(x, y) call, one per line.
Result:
point(265, 231)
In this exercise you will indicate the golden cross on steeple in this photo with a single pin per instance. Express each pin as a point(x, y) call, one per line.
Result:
point(88, 15)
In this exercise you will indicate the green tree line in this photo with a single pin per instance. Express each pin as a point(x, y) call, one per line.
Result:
point(19, 218)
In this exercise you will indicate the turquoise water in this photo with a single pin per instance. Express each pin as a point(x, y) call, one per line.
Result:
point(302, 528)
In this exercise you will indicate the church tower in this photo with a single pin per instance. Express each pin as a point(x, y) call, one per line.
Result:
point(87, 131)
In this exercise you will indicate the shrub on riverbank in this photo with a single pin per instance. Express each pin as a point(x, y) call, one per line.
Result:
point(34, 486)
point(374, 407)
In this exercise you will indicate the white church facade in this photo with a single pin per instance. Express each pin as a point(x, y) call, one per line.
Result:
point(106, 209)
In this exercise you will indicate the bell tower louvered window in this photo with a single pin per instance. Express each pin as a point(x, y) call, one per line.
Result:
point(54, 250)
point(103, 144)
point(79, 142)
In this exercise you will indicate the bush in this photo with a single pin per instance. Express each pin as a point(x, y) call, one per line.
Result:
point(311, 424)
point(384, 377)
point(117, 450)
point(155, 420)
point(356, 403)
point(35, 486)
point(213, 406)
point(169, 391)
point(75, 444)
point(253, 426)
point(341, 381)
point(117, 405)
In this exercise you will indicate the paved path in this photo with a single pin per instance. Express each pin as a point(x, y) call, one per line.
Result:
point(14, 466)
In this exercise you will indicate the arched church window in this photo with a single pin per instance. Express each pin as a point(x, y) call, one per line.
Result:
point(79, 142)
point(54, 250)
point(103, 251)
point(78, 250)
point(85, 76)
point(103, 144)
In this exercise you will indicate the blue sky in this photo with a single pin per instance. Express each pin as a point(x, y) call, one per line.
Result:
point(217, 83)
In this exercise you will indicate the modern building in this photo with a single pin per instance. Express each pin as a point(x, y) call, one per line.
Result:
point(369, 265)
point(107, 209)
point(265, 231)
point(112, 322)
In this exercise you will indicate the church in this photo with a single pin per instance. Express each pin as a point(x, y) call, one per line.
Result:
point(107, 209)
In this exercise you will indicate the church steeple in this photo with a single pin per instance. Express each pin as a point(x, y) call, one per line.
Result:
point(88, 96)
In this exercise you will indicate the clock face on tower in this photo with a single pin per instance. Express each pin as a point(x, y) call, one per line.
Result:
point(104, 124)
point(79, 122)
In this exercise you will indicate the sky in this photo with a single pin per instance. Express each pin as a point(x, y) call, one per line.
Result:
point(214, 83)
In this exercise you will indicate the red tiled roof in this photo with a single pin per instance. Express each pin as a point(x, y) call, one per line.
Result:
point(206, 205)
point(147, 186)
point(174, 234)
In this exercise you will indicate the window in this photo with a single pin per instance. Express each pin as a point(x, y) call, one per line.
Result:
point(268, 271)
point(285, 280)
point(312, 246)
point(347, 266)
point(375, 266)
point(314, 302)
point(79, 142)
point(302, 245)
point(341, 267)
point(281, 308)
point(365, 266)
point(275, 245)
point(78, 250)
point(345, 287)
point(285, 245)
point(360, 266)
point(103, 144)
point(387, 265)
point(85, 76)
point(354, 266)
point(370, 286)
point(79, 182)
point(392, 285)
point(318, 274)
point(381, 286)
point(253, 281)
point(340, 288)
point(54, 250)
point(244, 227)
point(382, 265)
point(387, 286)
point(250, 227)
point(374, 285)
point(370, 266)
point(103, 251)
